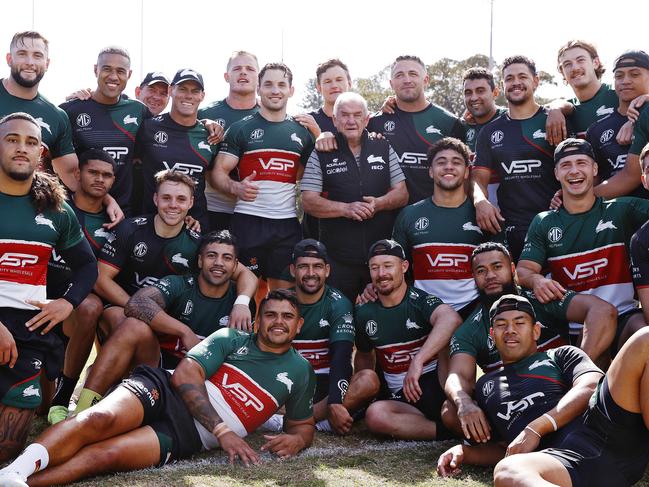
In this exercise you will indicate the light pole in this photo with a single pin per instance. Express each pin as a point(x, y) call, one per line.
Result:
point(491, 37)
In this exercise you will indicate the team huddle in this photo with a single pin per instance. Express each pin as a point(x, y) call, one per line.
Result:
point(239, 269)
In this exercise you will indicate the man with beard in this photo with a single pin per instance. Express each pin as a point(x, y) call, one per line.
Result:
point(514, 147)
point(270, 151)
point(404, 330)
point(35, 221)
point(326, 340)
point(472, 344)
point(363, 183)
point(480, 93)
point(415, 124)
point(154, 417)
point(241, 76)
point(28, 59)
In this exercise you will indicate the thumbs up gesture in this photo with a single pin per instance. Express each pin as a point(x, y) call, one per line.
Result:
point(247, 189)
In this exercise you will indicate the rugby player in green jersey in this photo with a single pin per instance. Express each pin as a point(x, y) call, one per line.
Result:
point(226, 387)
point(533, 395)
point(95, 177)
point(584, 244)
point(404, 330)
point(36, 220)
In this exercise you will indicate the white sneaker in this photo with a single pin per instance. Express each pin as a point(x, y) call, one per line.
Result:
point(12, 479)
point(324, 426)
point(275, 424)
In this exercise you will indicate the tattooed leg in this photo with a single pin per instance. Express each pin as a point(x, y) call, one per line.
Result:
point(14, 427)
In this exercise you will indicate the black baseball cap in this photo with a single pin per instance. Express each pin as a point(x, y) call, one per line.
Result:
point(386, 247)
point(630, 59)
point(154, 77)
point(310, 247)
point(511, 302)
point(187, 74)
point(572, 146)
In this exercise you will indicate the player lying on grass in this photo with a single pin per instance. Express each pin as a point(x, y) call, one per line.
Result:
point(226, 388)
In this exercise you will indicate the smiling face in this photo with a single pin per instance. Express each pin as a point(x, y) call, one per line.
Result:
point(217, 262)
point(631, 82)
point(332, 83)
point(28, 61)
point(20, 149)
point(479, 98)
point(279, 322)
point(519, 83)
point(576, 174)
point(274, 90)
point(387, 273)
point(186, 98)
point(578, 67)
point(242, 74)
point(448, 170)
point(113, 72)
point(173, 200)
point(155, 96)
point(515, 334)
point(310, 274)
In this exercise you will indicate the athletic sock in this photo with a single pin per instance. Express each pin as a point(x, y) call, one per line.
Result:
point(87, 398)
point(64, 390)
point(31, 460)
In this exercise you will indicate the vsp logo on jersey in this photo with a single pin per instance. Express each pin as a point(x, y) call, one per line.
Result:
point(83, 120)
point(619, 163)
point(184, 168)
point(411, 158)
point(401, 356)
point(145, 280)
point(586, 269)
point(518, 406)
point(521, 167)
point(116, 152)
point(447, 260)
point(161, 137)
point(497, 137)
point(16, 259)
point(242, 394)
point(276, 164)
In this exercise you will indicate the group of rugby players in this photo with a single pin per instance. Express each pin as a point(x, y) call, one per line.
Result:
point(475, 271)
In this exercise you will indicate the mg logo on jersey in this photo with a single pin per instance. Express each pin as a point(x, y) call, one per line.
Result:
point(389, 126)
point(422, 223)
point(276, 164)
point(586, 269)
point(606, 136)
point(240, 392)
point(184, 168)
point(83, 120)
point(521, 167)
point(371, 327)
point(518, 406)
point(140, 249)
point(470, 135)
point(189, 307)
point(16, 259)
point(555, 234)
point(116, 152)
point(488, 387)
point(144, 280)
point(257, 134)
point(497, 137)
point(411, 158)
point(161, 137)
point(221, 122)
point(447, 260)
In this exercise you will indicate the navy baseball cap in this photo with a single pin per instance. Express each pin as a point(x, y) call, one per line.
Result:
point(187, 74)
point(572, 146)
point(154, 77)
point(387, 247)
point(310, 247)
point(630, 59)
point(511, 302)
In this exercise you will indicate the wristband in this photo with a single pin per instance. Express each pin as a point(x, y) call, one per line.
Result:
point(528, 428)
point(551, 419)
point(242, 299)
point(220, 429)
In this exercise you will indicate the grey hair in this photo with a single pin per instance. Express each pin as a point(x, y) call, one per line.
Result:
point(350, 96)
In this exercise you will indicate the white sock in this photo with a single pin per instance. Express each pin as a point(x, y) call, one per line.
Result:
point(31, 460)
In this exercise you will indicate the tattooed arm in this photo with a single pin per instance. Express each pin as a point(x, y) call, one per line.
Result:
point(149, 305)
point(189, 380)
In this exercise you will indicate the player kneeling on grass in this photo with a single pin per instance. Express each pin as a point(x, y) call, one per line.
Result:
point(532, 396)
point(227, 387)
